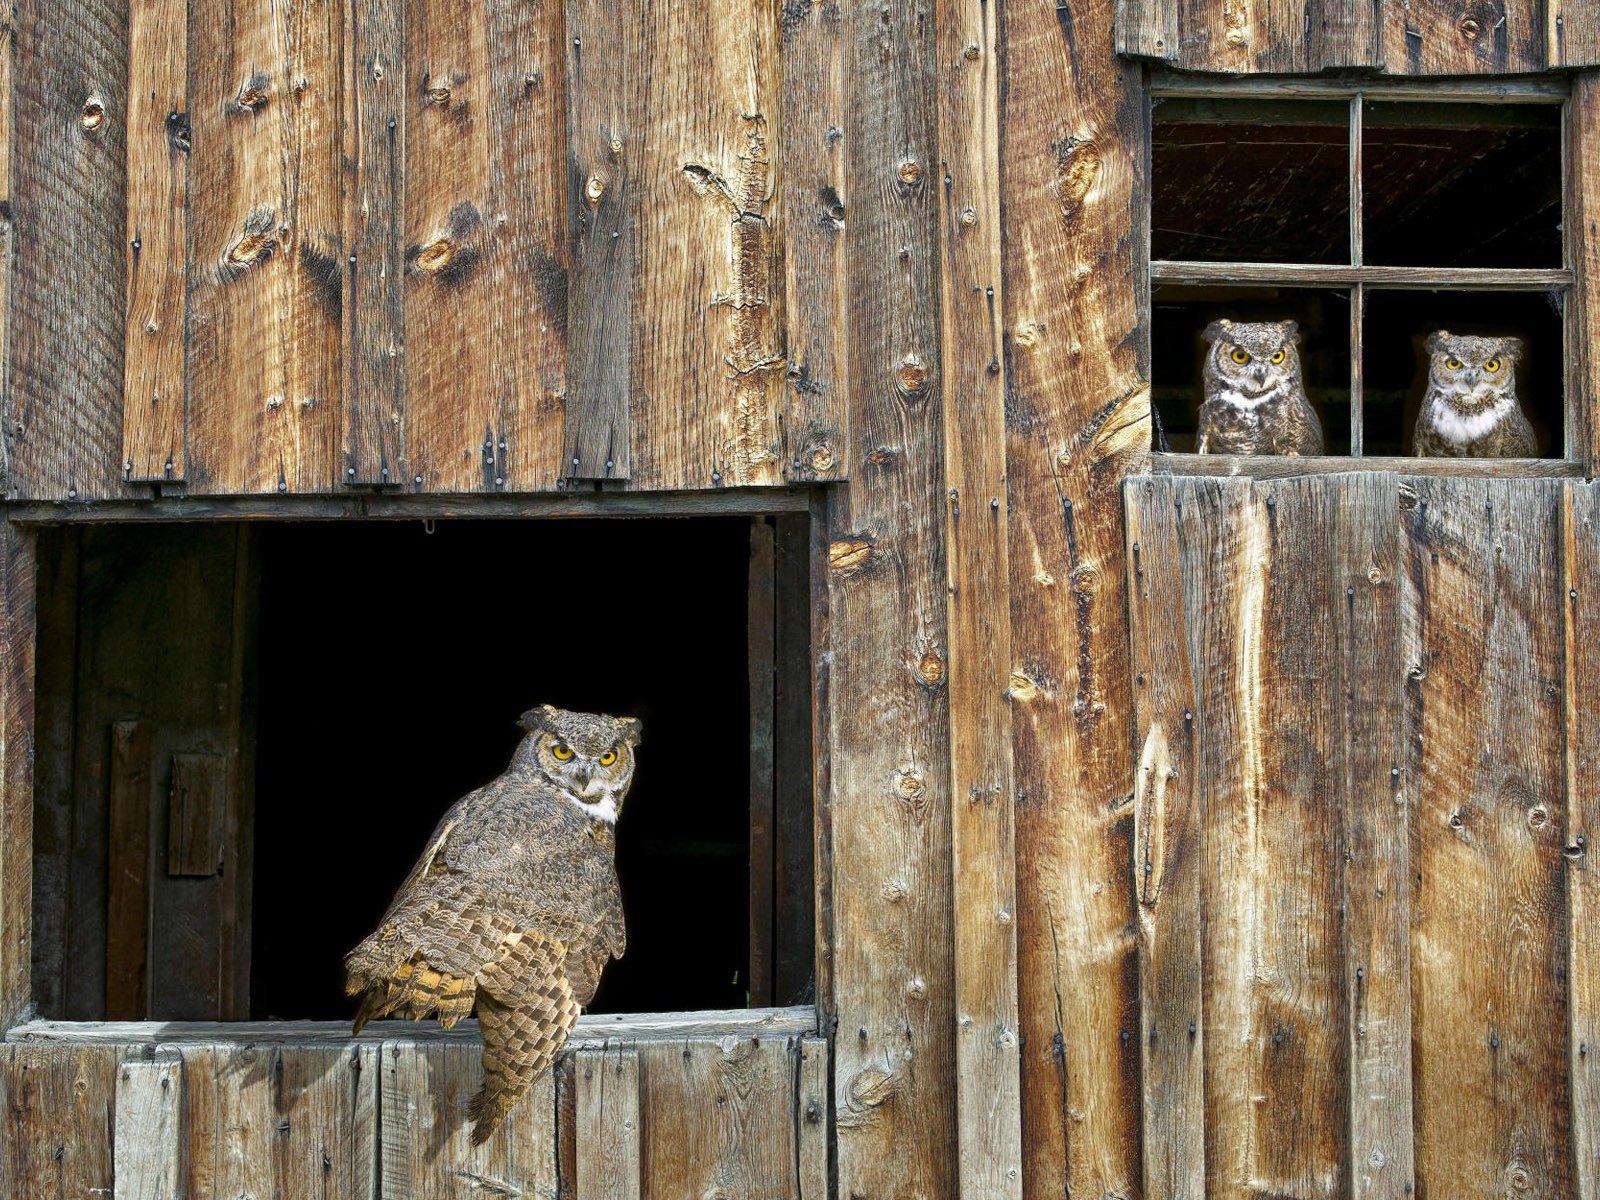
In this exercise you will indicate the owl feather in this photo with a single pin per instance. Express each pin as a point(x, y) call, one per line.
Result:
point(1471, 409)
point(1255, 401)
point(514, 906)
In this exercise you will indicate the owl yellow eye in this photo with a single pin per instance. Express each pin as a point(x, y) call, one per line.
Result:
point(1492, 365)
point(561, 750)
point(1453, 363)
point(1277, 357)
point(609, 757)
point(1240, 355)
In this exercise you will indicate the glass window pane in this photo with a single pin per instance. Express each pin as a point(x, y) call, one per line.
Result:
point(1250, 181)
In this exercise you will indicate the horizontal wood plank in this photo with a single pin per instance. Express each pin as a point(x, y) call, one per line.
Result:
point(1272, 466)
point(1472, 279)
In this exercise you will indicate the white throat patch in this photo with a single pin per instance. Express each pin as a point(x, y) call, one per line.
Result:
point(603, 810)
point(1460, 428)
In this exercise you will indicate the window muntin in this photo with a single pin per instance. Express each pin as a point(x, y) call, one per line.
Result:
point(1446, 214)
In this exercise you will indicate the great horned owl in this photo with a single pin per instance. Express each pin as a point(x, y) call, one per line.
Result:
point(1471, 409)
point(1255, 400)
point(514, 905)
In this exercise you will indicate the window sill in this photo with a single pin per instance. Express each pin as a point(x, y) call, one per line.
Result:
point(1267, 466)
point(591, 1030)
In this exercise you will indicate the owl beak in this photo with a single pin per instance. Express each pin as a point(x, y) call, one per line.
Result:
point(586, 773)
point(1472, 377)
point(1259, 375)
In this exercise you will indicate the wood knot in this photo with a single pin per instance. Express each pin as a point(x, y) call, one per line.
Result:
point(1022, 688)
point(94, 114)
point(435, 255)
point(931, 668)
point(911, 380)
point(1086, 581)
point(1470, 29)
point(821, 459)
point(252, 95)
point(594, 189)
point(910, 172)
point(255, 244)
point(849, 554)
point(911, 785)
point(438, 95)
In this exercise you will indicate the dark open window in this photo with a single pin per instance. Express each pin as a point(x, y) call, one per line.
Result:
point(1372, 218)
point(247, 732)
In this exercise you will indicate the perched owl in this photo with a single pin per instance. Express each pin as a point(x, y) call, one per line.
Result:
point(1471, 409)
point(514, 905)
point(1255, 401)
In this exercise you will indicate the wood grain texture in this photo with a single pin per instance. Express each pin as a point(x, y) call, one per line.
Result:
point(707, 361)
point(983, 817)
point(1483, 627)
point(812, 212)
point(609, 1129)
point(1581, 130)
point(1457, 37)
point(886, 705)
point(1166, 541)
point(1147, 28)
point(761, 672)
point(267, 223)
point(485, 282)
point(812, 1126)
point(279, 1121)
point(1377, 884)
point(426, 1137)
point(56, 1125)
point(17, 636)
point(719, 1118)
point(373, 383)
point(197, 814)
point(63, 419)
point(1071, 124)
point(605, 138)
point(1244, 37)
point(129, 869)
point(1580, 529)
point(1345, 34)
point(148, 1127)
point(158, 172)
point(1572, 33)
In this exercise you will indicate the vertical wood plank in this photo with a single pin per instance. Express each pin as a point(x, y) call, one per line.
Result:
point(1572, 33)
point(887, 803)
point(1580, 528)
point(1345, 34)
point(485, 287)
point(1447, 37)
point(604, 144)
point(719, 1117)
point(1483, 721)
point(1245, 37)
point(1581, 130)
point(1071, 125)
point(265, 243)
point(811, 196)
point(372, 409)
point(128, 891)
point(63, 420)
point(708, 371)
point(426, 1140)
point(280, 1120)
point(56, 1113)
point(1167, 826)
point(17, 634)
point(983, 822)
point(198, 808)
point(761, 675)
point(148, 1127)
point(795, 883)
point(609, 1133)
point(813, 1128)
point(1147, 28)
point(1378, 834)
point(158, 169)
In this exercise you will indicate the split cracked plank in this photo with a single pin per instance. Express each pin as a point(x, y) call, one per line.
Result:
point(63, 423)
point(1483, 634)
point(267, 222)
point(485, 274)
point(158, 170)
point(887, 802)
point(983, 820)
point(1077, 421)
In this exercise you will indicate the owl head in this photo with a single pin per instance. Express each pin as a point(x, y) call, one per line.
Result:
point(1472, 372)
point(1252, 356)
point(586, 756)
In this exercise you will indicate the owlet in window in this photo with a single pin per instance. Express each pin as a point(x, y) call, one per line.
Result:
point(1255, 400)
point(514, 906)
point(1471, 409)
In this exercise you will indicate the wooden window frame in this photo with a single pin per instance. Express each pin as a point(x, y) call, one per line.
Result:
point(1360, 278)
point(19, 523)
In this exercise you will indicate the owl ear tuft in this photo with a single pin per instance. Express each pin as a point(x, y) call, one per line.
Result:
point(630, 727)
point(1291, 332)
point(539, 718)
point(1513, 348)
point(1436, 341)
point(1218, 330)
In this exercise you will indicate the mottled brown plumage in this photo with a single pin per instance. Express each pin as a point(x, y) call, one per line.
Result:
point(1471, 408)
point(514, 906)
point(1255, 400)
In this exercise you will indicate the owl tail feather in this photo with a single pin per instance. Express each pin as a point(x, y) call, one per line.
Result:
point(519, 1044)
point(414, 990)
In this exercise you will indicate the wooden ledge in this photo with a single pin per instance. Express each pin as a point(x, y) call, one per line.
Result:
point(1268, 466)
